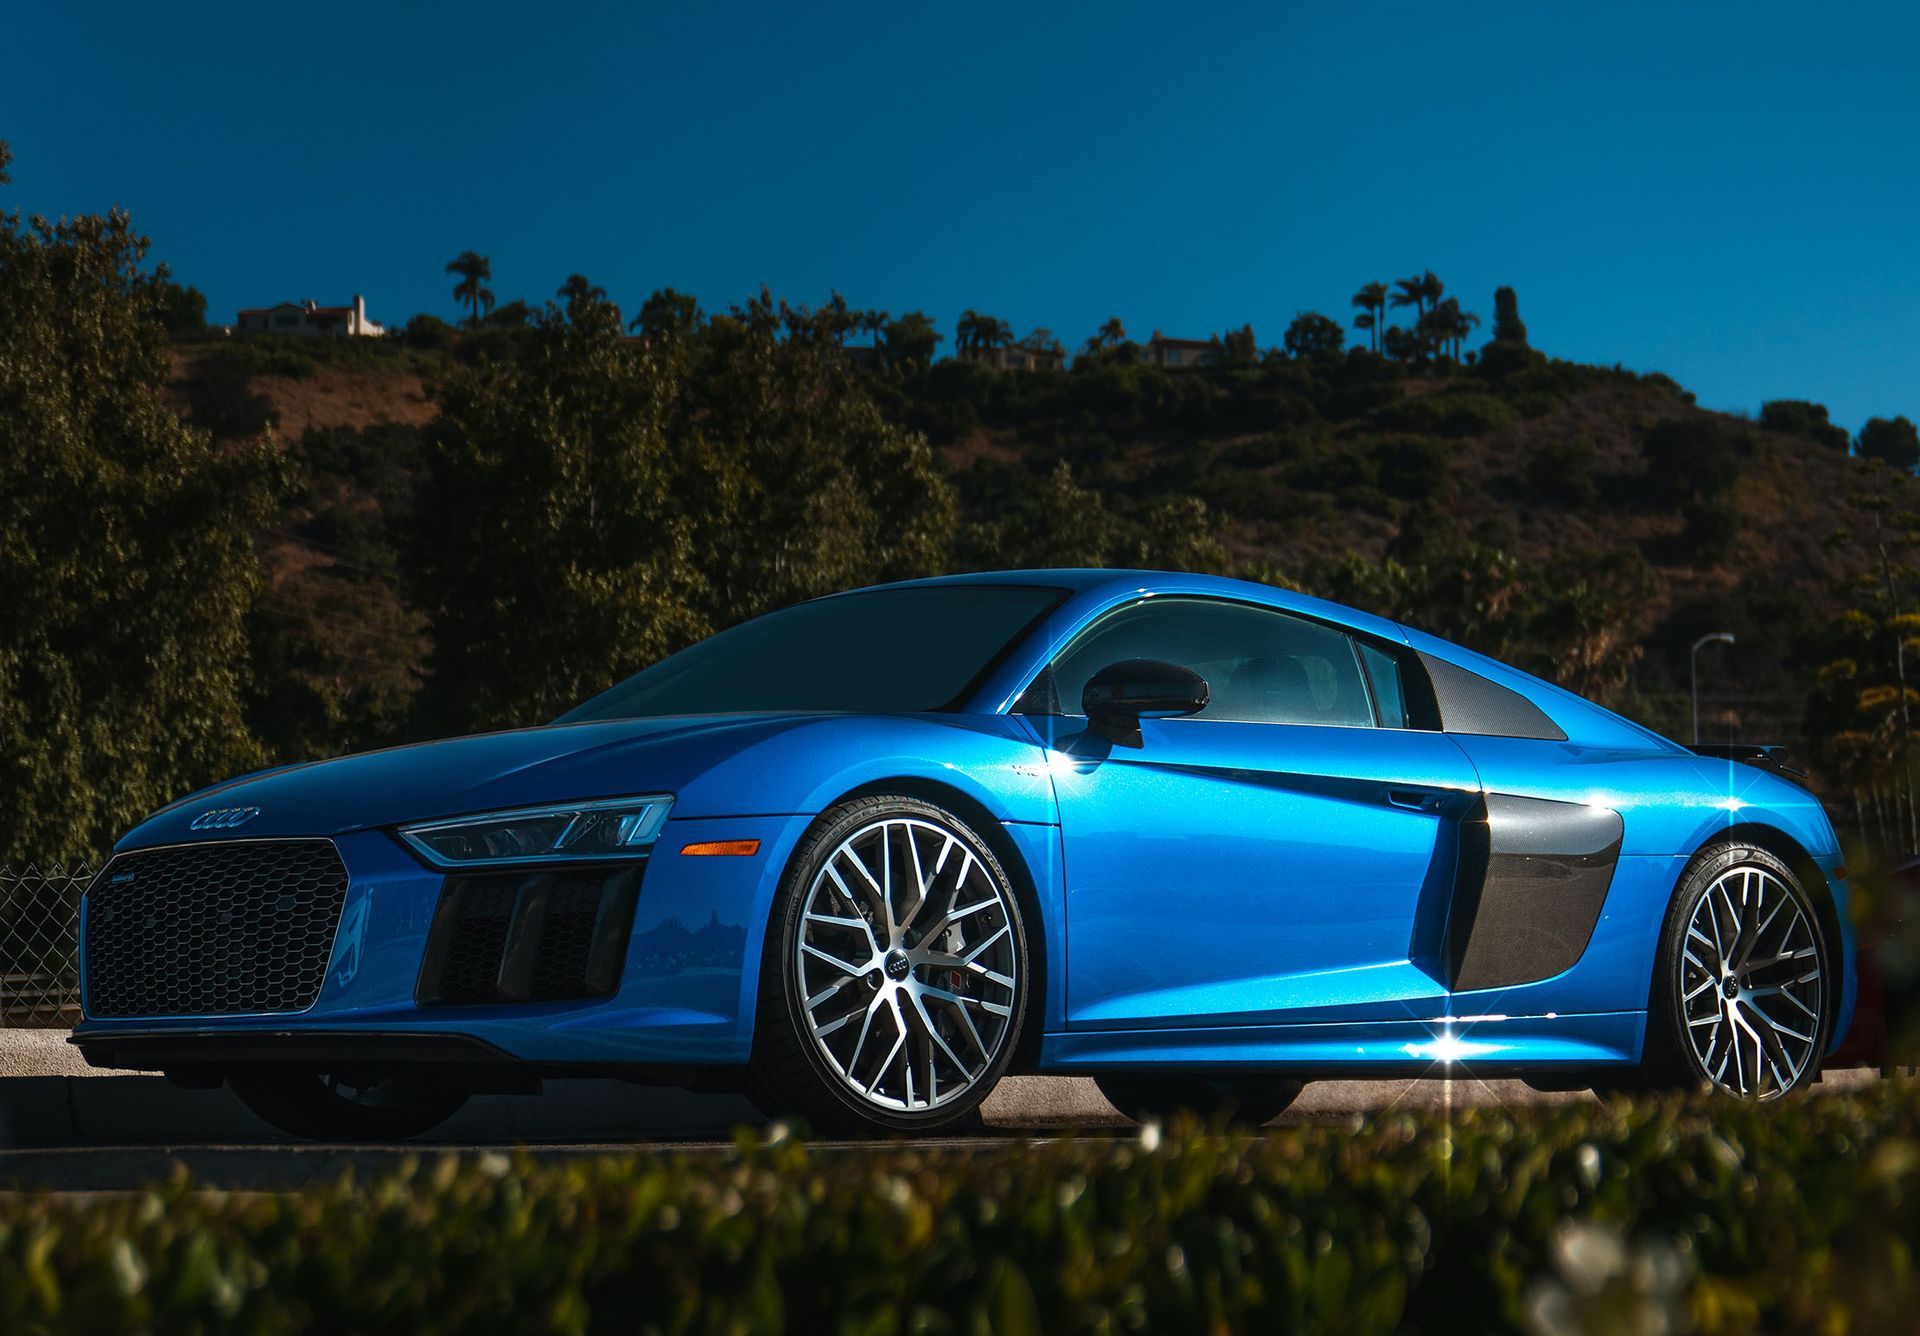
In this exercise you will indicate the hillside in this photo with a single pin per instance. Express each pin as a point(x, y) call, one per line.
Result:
point(1586, 522)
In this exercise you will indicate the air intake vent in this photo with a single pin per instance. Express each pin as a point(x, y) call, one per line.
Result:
point(212, 929)
point(538, 937)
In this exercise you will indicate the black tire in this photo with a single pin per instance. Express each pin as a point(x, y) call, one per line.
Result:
point(789, 1074)
point(317, 1108)
point(1670, 1060)
point(1151, 1096)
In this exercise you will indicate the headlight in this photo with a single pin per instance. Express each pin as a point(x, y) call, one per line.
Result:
point(615, 828)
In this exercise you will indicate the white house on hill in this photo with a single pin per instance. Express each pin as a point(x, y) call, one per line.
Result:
point(305, 318)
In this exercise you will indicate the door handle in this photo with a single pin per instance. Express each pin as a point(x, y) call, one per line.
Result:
point(1414, 800)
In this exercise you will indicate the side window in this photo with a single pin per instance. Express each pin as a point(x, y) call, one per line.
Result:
point(1261, 666)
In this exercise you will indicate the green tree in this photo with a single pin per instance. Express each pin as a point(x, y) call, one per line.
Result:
point(1371, 302)
point(790, 447)
point(126, 551)
point(979, 333)
point(183, 311)
point(651, 492)
point(1238, 347)
point(668, 315)
point(557, 459)
point(1507, 325)
point(475, 272)
point(1421, 292)
point(1894, 440)
point(1109, 336)
point(1314, 337)
point(912, 339)
point(1798, 417)
point(1445, 327)
point(586, 299)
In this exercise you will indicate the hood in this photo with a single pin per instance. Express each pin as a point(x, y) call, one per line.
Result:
point(522, 768)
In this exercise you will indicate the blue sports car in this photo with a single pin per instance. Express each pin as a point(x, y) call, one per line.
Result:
point(1199, 839)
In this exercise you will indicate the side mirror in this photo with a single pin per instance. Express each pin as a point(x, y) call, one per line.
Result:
point(1120, 695)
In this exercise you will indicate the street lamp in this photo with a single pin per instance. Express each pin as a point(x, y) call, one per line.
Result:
point(1711, 638)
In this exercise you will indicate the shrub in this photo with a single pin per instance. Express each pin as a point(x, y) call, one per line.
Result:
point(1563, 472)
point(1691, 460)
point(1894, 440)
point(1797, 417)
point(258, 357)
point(1411, 467)
point(428, 333)
point(1458, 414)
point(1793, 1217)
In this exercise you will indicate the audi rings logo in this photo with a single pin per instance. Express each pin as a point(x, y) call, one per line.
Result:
point(224, 818)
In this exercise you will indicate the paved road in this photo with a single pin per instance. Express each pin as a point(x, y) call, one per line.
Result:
point(64, 1125)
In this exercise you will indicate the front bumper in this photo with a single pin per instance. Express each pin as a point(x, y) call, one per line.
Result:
point(686, 993)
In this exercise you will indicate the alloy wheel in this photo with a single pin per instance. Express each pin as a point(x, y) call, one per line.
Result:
point(908, 965)
point(1751, 992)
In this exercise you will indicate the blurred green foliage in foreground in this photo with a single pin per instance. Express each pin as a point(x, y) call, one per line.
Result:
point(1652, 1216)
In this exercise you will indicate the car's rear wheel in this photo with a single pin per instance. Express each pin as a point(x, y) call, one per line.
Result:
point(1147, 1096)
point(894, 980)
point(321, 1107)
point(1741, 986)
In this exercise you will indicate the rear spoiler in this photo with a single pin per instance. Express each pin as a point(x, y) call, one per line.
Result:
point(1778, 760)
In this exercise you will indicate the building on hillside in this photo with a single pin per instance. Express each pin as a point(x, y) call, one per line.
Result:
point(308, 319)
point(1161, 351)
point(1018, 357)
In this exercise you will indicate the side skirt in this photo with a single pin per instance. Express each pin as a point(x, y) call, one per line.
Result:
point(1482, 1044)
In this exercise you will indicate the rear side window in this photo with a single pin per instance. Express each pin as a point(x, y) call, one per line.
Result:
point(1389, 695)
point(1469, 703)
point(1262, 666)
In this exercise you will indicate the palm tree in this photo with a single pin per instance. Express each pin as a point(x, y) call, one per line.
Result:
point(475, 272)
point(981, 333)
point(1371, 301)
point(578, 289)
point(966, 331)
point(581, 295)
point(1447, 326)
point(1422, 293)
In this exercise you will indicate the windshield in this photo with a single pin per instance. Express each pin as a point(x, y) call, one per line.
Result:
point(886, 651)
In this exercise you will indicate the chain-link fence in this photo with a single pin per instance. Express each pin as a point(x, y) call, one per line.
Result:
point(39, 931)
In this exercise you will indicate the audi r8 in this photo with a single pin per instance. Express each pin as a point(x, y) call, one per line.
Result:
point(1199, 839)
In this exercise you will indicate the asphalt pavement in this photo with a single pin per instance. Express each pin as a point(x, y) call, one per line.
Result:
point(69, 1127)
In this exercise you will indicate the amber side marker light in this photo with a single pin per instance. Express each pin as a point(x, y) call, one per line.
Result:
point(722, 849)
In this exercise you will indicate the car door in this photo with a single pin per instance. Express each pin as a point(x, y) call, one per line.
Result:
point(1285, 854)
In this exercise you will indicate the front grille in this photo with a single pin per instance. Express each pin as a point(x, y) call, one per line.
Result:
point(212, 929)
point(529, 936)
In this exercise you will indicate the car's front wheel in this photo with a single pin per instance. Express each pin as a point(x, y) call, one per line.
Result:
point(1741, 984)
point(894, 979)
point(321, 1107)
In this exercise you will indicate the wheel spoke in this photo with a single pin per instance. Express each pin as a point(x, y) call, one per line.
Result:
point(830, 990)
point(933, 1033)
point(920, 893)
point(845, 966)
point(866, 1028)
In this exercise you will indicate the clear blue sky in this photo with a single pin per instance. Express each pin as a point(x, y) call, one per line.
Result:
point(1727, 196)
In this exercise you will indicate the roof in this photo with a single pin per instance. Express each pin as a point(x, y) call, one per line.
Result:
point(1104, 586)
point(1157, 340)
point(305, 308)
